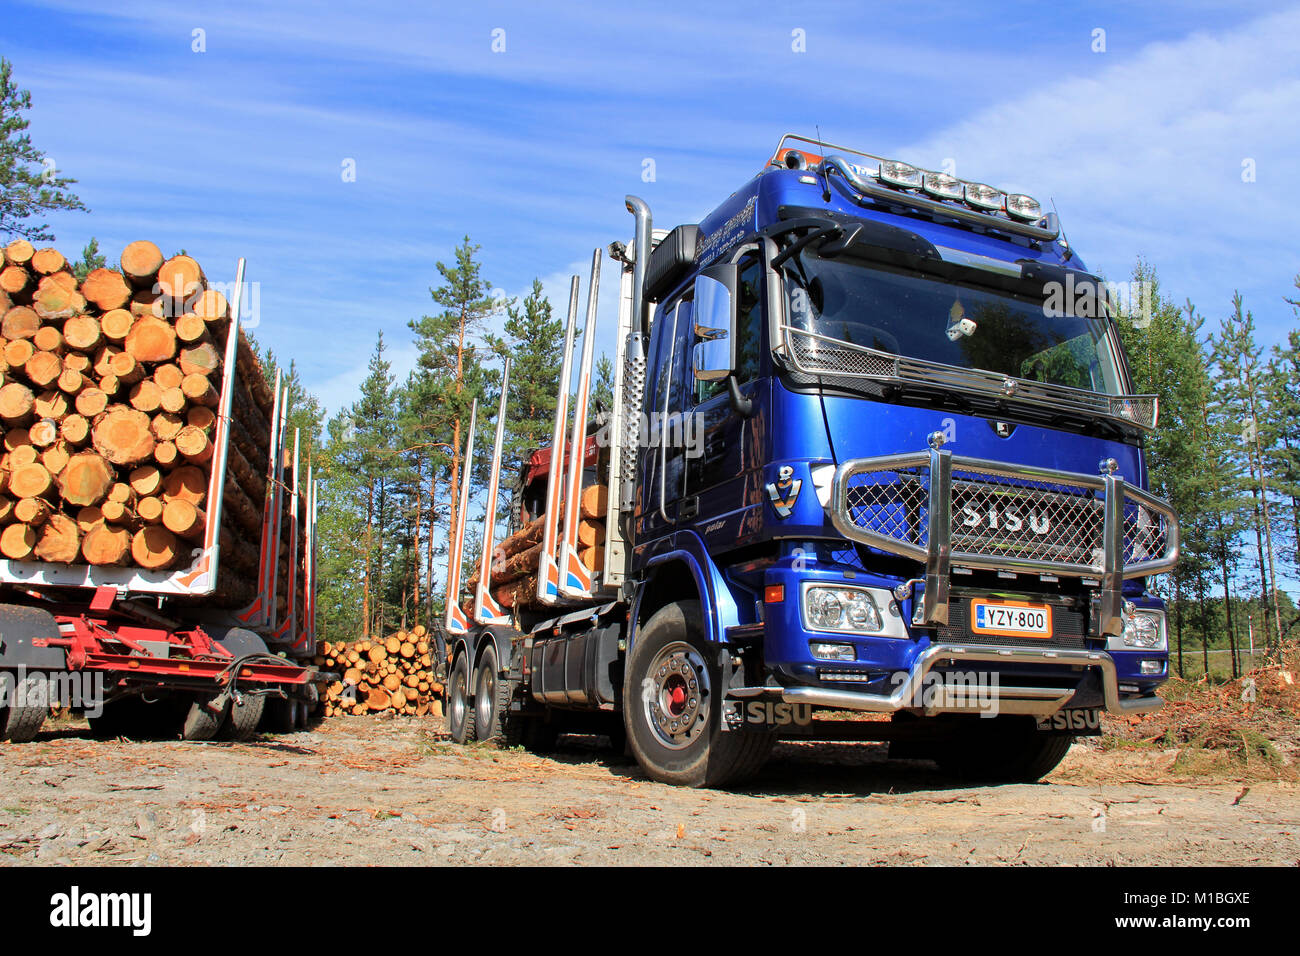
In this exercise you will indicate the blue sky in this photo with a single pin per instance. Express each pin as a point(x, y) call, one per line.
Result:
point(239, 150)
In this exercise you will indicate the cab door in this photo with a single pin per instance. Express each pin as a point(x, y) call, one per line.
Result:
point(662, 453)
point(725, 446)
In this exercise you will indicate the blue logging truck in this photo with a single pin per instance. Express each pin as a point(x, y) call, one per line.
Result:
point(872, 449)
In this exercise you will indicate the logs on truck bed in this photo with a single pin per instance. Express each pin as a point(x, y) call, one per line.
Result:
point(394, 675)
point(109, 398)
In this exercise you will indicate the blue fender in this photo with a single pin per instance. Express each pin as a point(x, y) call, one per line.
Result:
point(718, 602)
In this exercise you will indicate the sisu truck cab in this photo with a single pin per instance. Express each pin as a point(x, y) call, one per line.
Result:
point(874, 471)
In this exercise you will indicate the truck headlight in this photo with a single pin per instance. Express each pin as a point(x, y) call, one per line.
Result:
point(1144, 630)
point(853, 610)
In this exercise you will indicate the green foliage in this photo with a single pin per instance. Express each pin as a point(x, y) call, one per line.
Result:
point(91, 259)
point(535, 344)
point(30, 185)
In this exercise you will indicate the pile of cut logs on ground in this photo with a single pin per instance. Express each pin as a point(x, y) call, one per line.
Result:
point(109, 392)
point(394, 674)
point(515, 559)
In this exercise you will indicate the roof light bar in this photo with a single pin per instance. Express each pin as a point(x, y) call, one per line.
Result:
point(943, 192)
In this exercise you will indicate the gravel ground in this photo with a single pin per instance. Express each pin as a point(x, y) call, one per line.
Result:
point(370, 791)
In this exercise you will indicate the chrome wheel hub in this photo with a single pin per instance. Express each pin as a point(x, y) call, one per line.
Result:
point(676, 694)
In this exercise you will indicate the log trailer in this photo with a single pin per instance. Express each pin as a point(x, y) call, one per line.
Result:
point(209, 647)
point(874, 471)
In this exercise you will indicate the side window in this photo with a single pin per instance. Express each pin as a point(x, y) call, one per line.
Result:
point(749, 329)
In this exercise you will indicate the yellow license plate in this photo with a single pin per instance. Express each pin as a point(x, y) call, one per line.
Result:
point(1010, 618)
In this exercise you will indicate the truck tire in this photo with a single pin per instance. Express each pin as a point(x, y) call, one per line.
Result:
point(491, 696)
point(202, 723)
point(242, 718)
point(23, 723)
point(1007, 749)
point(672, 708)
point(460, 711)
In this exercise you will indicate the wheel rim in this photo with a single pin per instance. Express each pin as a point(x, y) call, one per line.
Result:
point(456, 706)
point(677, 695)
point(485, 698)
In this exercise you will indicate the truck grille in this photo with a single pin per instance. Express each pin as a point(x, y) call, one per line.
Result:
point(999, 514)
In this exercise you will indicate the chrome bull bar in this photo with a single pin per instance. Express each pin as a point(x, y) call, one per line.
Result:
point(914, 518)
point(1041, 701)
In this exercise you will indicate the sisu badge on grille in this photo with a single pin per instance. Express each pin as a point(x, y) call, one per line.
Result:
point(784, 492)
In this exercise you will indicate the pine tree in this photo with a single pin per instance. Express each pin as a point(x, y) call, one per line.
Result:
point(1241, 381)
point(29, 184)
point(535, 341)
point(368, 439)
point(1167, 360)
point(602, 393)
point(449, 377)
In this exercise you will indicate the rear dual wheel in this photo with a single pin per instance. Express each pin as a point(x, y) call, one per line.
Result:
point(460, 708)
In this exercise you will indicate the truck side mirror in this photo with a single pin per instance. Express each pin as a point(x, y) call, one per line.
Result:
point(714, 315)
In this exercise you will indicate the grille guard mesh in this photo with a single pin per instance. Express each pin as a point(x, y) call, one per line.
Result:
point(1003, 517)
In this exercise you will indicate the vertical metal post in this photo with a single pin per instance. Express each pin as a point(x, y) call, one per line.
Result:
point(486, 609)
point(575, 579)
point(1111, 622)
point(455, 620)
point(548, 568)
point(934, 602)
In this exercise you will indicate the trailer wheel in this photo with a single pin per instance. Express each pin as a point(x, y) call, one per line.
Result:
point(242, 718)
point(491, 696)
point(1006, 749)
point(672, 711)
point(460, 713)
point(202, 723)
point(23, 723)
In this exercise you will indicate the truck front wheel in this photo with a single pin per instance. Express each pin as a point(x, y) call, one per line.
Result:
point(1006, 749)
point(672, 706)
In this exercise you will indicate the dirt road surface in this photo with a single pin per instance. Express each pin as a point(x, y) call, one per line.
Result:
point(371, 791)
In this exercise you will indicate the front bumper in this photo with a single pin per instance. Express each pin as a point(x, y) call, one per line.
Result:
point(912, 693)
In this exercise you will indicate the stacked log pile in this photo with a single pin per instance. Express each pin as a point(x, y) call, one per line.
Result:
point(515, 559)
point(109, 391)
point(394, 674)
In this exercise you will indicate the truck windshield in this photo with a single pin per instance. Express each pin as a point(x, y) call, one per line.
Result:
point(922, 317)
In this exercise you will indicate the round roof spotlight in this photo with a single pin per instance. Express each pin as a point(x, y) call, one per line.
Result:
point(900, 174)
point(943, 186)
point(982, 196)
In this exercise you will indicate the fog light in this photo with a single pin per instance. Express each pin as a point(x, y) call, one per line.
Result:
point(1151, 668)
point(1144, 629)
point(832, 652)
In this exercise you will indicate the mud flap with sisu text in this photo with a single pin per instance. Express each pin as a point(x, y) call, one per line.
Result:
point(1080, 722)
